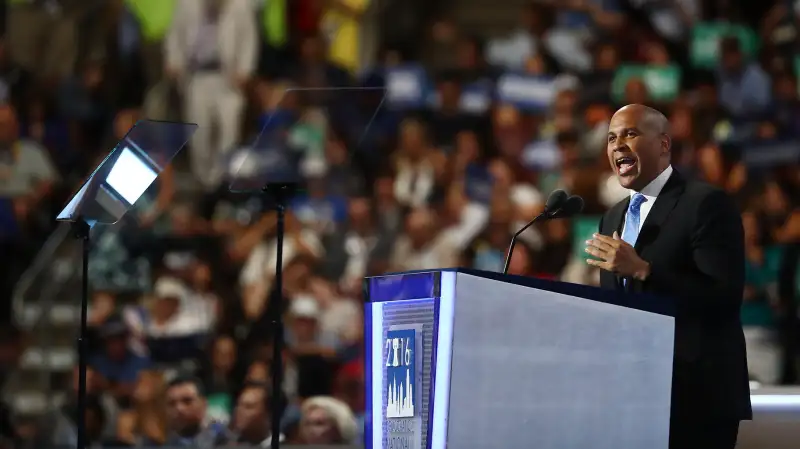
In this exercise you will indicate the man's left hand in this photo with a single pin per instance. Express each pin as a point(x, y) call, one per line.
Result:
point(617, 256)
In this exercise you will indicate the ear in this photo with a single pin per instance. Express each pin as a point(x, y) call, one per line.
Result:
point(666, 143)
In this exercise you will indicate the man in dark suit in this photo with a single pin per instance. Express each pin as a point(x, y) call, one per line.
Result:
point(683, 239)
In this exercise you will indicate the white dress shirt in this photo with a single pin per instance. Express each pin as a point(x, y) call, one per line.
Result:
point(650, 192)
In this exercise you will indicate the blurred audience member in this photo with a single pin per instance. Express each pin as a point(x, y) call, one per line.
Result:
point(326, 420)
point(117, 364)
point(188, 423)
point(253, 418)
point(145, 422)
point(211, 50)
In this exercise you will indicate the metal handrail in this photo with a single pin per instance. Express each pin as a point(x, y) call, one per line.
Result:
point(40, 263)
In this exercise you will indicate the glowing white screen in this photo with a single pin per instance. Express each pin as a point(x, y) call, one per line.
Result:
point(130, 176)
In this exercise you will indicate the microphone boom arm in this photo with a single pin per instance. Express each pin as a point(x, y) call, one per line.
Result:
point(557, 207)
point(511, 245)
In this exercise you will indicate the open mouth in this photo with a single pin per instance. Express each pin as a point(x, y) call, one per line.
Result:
point(625, 165)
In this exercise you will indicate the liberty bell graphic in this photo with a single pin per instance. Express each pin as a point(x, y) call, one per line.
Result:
point(396, 347)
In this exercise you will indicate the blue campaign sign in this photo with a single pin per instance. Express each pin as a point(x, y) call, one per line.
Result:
point(407, 86)
point(401, 360)
point(526, 92)
point(476, 97)
point(479, 184)
point(771, 154)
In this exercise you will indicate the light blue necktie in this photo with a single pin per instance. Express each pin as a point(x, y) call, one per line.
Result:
point(633, 219)
point(632, 222)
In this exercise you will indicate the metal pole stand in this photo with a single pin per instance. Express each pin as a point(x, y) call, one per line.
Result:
point(81, 230)
point(281, 193)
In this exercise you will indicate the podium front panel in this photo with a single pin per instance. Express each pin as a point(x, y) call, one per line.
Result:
point(401, 314)
point(536, 368)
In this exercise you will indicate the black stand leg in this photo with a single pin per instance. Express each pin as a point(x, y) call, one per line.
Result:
point(281, 193)
point(82, 229)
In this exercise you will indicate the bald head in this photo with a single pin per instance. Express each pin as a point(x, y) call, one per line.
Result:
point(638, 145)
point(650, 118)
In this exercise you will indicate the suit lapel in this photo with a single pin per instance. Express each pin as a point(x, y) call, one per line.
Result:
point(660, 212)
point(616, 217)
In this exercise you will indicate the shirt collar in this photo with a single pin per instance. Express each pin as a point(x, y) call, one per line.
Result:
point(651, 191)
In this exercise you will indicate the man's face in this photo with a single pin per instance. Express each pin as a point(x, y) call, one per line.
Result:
point(224, 355)
point(634, 148)
point(418, 227)
point(412, 139)
point(304, 328)
point(250, 413)
point(185, 408)
point(359, 210)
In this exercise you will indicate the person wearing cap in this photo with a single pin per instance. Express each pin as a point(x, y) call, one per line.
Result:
point(170, 314)
point(305, 336)
point(117, 364)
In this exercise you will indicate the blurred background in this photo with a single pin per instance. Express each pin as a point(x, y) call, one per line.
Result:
point(488, 106)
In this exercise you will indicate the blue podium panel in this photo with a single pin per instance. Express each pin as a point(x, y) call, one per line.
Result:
point(401, 317)
point(468, 359)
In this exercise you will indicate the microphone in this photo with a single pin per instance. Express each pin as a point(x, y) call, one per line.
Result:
point(573, 205)
point(555, 203)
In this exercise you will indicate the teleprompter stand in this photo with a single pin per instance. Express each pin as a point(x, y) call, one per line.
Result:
point(104, 198)
point(81, 229)
point(280, 192)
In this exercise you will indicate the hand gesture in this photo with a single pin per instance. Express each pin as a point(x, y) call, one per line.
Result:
point(617, 256)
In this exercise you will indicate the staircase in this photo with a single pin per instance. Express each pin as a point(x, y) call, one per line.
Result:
point(46, 306)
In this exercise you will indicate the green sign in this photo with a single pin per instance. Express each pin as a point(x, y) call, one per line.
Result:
point(219, 407)
point(704, 50)
point(582, 230)
point(663, 83)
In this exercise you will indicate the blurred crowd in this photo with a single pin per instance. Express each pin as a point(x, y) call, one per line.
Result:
point(415, 153)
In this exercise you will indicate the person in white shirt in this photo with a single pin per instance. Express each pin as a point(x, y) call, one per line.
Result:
point(173, 312)
point(211, 51)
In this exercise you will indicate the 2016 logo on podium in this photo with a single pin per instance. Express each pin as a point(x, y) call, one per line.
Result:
point(400, 350)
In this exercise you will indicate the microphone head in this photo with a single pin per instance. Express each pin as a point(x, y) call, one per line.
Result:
point(556, 200)
point(573, 205)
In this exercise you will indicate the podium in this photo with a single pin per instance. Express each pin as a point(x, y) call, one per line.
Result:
point(463, 359)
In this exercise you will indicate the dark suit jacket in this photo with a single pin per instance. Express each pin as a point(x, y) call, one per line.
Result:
point(693, 240)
